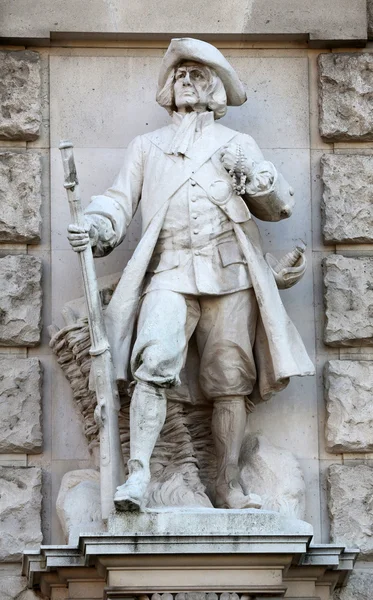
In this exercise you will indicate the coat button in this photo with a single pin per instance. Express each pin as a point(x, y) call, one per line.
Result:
point(197, 253)
point(194, 216)
point(194, 199)
point(192, 182)
point(195, 231)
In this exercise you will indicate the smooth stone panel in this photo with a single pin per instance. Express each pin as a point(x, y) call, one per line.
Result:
point(347, 198)
point(206, 521)
point(20, 114)
point(20, 300)
point(20, 506)
point(20, 197)
point(348, 393)
point(346, 96)
point(20, 402)
point(334, 20)
point(105, 101)
point(359, 586)
point(350, 493)
point(348, 301)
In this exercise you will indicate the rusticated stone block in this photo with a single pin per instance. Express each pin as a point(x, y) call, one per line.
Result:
point(348, 393)
point(347, 198)
point(20, 505)
point(346, 96)
point(20, 405)
point(350, 503)
point(20, 114)
point(20, 197)
point(359, 586)
point(348, 301)
point(14, 587)
point(20, 300)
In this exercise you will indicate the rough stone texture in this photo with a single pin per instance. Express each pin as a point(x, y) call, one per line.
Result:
point(348, 394)
point(79, 504)
point(20, 505)
point(347, 199)
point(20, 405)
point(348, 301)
point(359, 586)
point(346, 96)
point(14, 587)
point(20, 197)
point(20, 114)
point(350, 503)
point(20, 300)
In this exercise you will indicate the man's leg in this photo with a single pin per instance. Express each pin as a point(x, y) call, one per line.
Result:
point(226, 334)
point(157, 359)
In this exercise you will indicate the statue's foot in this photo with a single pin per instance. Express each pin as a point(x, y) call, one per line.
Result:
point(231, 495)
point(131, 495)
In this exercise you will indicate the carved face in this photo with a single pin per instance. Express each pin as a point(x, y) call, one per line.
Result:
point(191, 87)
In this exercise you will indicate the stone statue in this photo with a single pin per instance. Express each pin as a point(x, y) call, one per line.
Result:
point(198, 274)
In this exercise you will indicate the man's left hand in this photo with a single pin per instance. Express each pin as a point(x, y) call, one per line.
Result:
point(231, 161)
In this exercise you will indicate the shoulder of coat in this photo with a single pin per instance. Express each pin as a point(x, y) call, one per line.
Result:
point(159, 134)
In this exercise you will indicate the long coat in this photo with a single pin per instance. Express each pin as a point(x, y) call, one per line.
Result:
point(149, 178)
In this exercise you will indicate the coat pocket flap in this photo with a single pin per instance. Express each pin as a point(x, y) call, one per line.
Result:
point(230, 253)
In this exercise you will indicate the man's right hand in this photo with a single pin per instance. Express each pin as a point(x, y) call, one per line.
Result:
point(80, 237)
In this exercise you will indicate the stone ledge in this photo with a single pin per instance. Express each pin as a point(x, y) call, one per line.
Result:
point(206, 522)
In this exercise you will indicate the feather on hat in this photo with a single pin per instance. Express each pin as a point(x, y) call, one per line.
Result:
point(188, 49)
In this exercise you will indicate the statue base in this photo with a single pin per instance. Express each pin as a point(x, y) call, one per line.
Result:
point(199, 521)
point(192, 554)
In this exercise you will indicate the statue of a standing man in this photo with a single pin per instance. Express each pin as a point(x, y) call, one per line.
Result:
point(198, 269)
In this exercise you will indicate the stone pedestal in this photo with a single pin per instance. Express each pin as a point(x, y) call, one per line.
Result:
point(241, 554)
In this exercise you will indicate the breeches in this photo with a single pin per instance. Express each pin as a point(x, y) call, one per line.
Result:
point(224, 327)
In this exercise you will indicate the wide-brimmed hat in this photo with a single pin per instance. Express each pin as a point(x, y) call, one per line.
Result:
point(189, 49)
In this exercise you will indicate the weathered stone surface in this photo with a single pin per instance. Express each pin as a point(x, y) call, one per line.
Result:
point(347, 198)
point(20, 114)
point(20, 198)
point(370, 18)
point(350, 503)
point(20, 405)
point(359, 586)
point(20, 300)
point(14, 587)
point(348, 301)
point(332, 20)
point(20, 505)
point(346, 96)
point(348, 394)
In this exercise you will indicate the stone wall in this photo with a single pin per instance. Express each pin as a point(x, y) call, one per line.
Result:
point(23, 259)
point(327, 153)
point(345, 85)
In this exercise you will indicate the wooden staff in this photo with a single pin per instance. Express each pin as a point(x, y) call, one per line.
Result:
point(108, 403)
